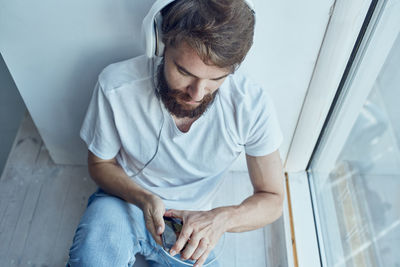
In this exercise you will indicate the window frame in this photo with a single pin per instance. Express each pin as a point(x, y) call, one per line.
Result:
point(308, 247)
point(338, 43)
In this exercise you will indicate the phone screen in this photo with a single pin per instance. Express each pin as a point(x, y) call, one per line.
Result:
point(173, 228)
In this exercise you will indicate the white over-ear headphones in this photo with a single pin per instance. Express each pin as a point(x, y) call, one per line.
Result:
point(151, 28)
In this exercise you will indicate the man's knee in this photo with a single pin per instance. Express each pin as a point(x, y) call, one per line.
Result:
point(105, 240)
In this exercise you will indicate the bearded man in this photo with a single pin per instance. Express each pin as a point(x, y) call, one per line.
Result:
point(162, 131)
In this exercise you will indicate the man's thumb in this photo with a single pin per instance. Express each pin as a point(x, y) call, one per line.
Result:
point(159, 225)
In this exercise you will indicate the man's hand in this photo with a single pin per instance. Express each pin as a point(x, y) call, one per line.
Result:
point(110, 176)
point(201, 231)
point(153, 211)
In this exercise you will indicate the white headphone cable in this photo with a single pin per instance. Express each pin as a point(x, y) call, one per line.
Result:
point(162, 122)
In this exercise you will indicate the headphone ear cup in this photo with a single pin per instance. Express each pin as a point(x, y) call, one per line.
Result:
point(159, 49)
point(151, 29)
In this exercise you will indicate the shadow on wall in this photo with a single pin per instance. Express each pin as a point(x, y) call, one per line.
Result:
point(12, 110)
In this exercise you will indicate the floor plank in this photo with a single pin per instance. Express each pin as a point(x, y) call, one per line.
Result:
point(41, 203)
point(24, 224)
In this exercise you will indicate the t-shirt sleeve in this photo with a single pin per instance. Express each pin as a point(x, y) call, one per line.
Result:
point(98, 129)
point(264, 135)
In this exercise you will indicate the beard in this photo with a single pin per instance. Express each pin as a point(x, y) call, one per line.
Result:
point(174, 100)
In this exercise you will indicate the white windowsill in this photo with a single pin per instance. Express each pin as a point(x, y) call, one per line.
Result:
point(306, 250)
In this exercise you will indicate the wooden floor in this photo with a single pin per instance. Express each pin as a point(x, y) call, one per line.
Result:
point(41, 204)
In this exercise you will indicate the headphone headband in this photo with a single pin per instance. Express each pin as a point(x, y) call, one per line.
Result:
point(151, 27)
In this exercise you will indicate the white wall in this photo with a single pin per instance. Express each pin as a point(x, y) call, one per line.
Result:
point(55, 50)
point(288, 37)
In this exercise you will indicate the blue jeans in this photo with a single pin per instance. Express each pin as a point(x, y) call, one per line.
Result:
point(111, 232)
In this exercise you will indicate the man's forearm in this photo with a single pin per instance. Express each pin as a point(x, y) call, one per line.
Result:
point(113, 179)
point(254, 212)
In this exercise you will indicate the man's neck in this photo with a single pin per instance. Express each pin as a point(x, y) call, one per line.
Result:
point(184, 124)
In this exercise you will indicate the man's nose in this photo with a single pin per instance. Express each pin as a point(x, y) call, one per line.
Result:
point(197, 90)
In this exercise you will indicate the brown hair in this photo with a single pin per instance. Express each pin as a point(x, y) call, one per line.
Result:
point(221, 31)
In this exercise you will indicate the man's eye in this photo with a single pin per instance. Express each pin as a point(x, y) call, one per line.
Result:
point(182, 72)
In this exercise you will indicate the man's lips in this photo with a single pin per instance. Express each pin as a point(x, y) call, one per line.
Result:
point(188, 102)
point(192, 102)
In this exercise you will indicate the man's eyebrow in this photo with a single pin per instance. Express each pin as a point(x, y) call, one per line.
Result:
point(191, 74)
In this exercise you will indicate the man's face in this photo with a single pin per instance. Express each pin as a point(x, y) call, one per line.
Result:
point(187, 85)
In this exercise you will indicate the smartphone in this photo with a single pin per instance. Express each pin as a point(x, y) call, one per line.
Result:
point(173, 228)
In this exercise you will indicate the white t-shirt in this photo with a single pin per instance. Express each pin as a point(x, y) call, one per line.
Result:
point(125, 119)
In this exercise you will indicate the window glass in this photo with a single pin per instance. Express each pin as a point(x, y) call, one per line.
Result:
point(358, 201)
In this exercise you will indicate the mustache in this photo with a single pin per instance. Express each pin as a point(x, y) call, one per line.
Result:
point(177, 94)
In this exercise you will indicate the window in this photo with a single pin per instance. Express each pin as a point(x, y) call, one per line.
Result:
point(354, 174)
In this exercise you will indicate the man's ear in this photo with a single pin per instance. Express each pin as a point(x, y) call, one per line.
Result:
point(166, 50)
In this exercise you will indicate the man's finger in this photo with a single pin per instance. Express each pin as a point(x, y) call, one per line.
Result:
point(158, 240)
point(174, 213)
point(151, 227)
point(158, 222)
point(154, 225)
point(201, 248)
point(202, 258)
point(191, 246)
point(184, 236)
